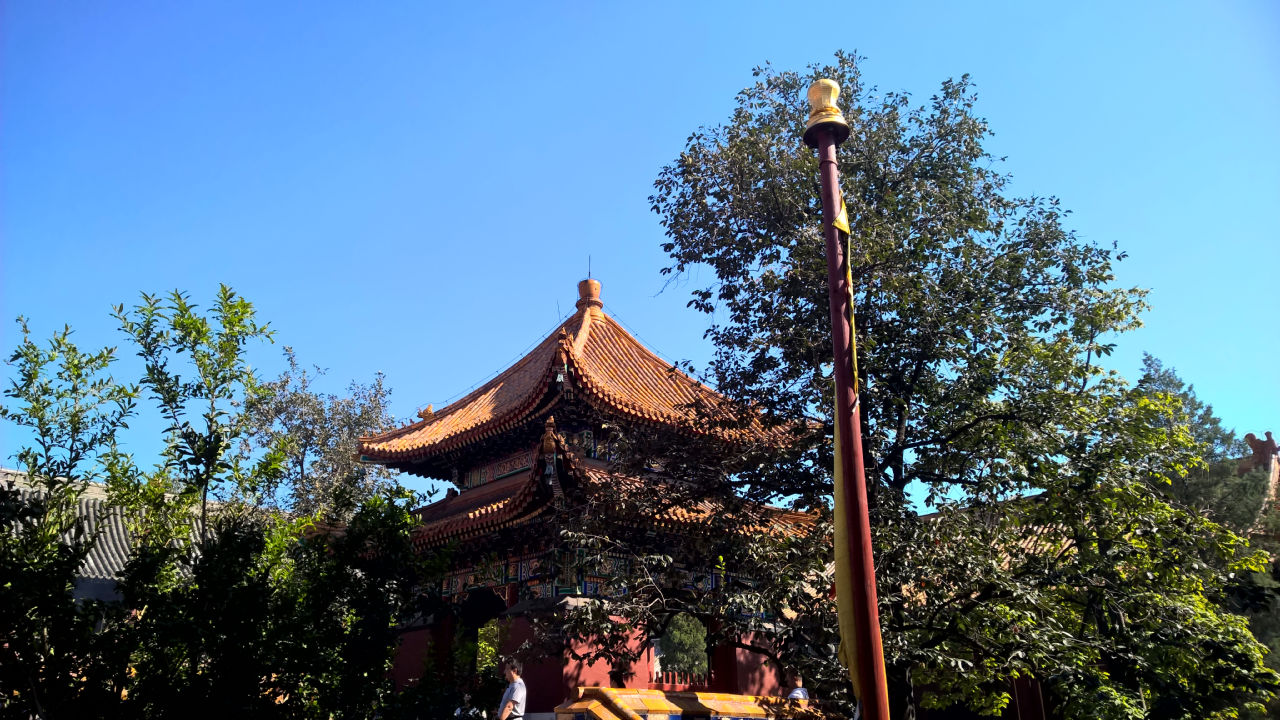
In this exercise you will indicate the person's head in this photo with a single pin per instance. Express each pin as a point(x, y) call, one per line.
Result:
point(511, 669)
point(795, 679)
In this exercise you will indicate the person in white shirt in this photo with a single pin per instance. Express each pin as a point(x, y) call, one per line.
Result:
point(798, 691)
point(512, 705)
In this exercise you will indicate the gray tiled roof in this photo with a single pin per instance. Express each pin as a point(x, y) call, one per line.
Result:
point(111, 551)
point(107, 557)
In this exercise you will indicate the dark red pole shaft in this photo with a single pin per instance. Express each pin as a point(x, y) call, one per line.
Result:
point(869, 652)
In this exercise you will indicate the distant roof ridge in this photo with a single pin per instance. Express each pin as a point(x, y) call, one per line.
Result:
point(93, 489)
point(106, 523)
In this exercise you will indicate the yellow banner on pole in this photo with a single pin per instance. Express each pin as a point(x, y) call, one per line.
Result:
point(844, 563)
point(844, 576)
point(842, 218)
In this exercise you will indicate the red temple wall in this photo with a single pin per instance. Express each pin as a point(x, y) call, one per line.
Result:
point(579, 674)
point(543, 677)
point(737, 670)
point(550, 679)
point(411, 657)
point(755, 676)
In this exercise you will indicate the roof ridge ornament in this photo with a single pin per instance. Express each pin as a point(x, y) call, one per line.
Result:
point(589, 294)
point(549, 437)
point(588, 299)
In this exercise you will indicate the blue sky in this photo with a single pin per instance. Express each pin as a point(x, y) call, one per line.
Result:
point(416, 189)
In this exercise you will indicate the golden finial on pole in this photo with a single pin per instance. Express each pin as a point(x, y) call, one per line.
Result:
point(823, 112)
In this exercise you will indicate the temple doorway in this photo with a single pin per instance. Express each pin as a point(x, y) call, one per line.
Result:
point(481, 633)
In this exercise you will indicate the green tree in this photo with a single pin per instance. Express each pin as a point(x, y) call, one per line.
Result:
point(53, 662)
point(1261, 597)
point(1213, 487)
point(225, 607)
point(684, 646)
point(981, 320)
point(251, 619)
point(1217, 489)
point(287, 621)
point(195, 371)
point(319, 434)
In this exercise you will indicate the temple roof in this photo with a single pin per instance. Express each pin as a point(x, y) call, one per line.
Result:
point(525, 496)
point(592, 354)
point(488, 508)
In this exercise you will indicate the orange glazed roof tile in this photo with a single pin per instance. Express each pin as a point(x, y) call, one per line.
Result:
point(480, 510)
point(523, 497)
point(592, 352)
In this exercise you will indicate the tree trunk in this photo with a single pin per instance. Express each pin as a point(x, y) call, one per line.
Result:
point(902, 693)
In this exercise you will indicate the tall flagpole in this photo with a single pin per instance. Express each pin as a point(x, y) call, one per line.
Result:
point(862, 652)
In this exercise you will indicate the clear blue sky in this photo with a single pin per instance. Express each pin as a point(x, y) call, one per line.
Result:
point(416, 189)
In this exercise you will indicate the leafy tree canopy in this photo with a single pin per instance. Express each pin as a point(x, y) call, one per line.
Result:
point(1214, 486)
point(1220, 489)
point(981, 321)
point(224, 607)
point(684, 646)
point(319, 434)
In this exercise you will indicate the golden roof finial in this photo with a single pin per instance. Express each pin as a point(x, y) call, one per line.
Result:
point(589, 293)
point(823, 112)
point(427, 412)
